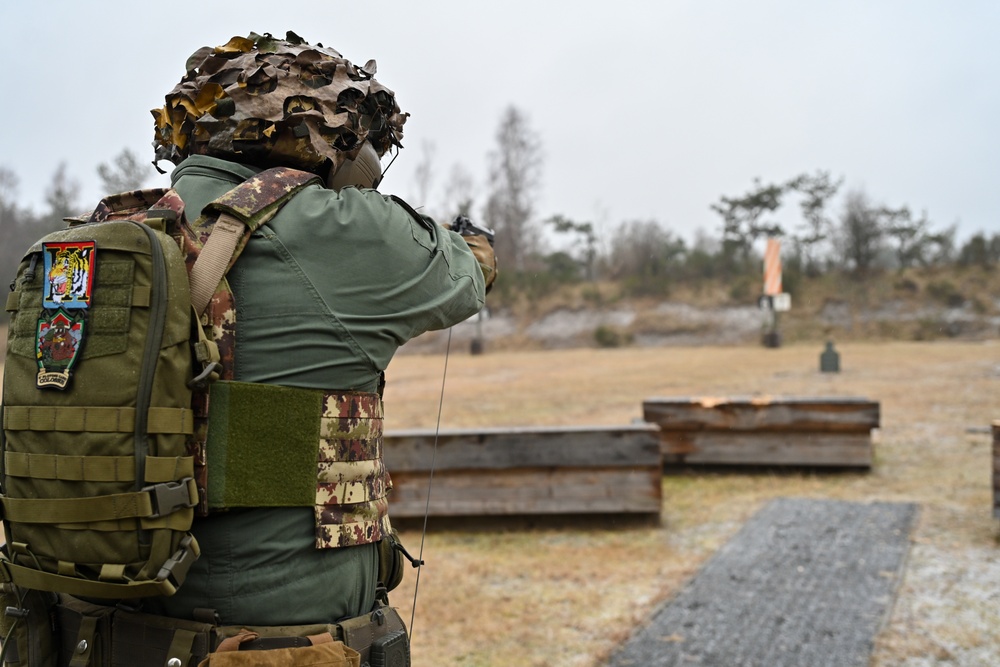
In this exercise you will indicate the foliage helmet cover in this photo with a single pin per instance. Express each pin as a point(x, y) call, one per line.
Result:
point(276, 102)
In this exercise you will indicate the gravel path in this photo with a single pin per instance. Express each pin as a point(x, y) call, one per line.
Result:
point(804, 582)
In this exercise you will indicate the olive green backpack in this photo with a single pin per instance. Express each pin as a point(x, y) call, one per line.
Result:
point(104, 351)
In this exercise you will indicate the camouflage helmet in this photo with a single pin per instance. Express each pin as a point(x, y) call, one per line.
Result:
point(276, 102)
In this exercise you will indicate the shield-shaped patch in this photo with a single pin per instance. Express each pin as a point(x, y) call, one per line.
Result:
point(58, 341)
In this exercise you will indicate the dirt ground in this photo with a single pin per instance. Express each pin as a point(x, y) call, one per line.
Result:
point(499, 595)
point(496, 594)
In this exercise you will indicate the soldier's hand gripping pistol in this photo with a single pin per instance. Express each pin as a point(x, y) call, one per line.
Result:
point(480, 240)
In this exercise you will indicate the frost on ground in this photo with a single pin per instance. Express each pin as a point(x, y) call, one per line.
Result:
point(947, 612)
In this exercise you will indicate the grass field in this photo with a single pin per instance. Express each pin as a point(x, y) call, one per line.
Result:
point(498, 595)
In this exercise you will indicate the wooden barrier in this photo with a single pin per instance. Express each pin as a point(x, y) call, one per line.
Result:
point(996, 468)
point(526, 471)
point(821, 431)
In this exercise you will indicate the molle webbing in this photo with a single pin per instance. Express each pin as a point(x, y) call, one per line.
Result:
point(273, 446)
point(96, 419)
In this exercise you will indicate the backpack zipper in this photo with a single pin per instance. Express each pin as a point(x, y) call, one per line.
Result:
point(157, 319)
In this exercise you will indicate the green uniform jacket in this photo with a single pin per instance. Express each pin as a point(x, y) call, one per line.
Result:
point(325, 294)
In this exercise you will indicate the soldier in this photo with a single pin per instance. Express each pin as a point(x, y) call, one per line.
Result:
point(325, 294)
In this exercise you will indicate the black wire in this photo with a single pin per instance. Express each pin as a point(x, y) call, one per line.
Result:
point(430, 483)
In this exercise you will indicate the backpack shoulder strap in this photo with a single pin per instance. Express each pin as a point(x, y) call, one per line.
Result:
point(229, 221)
point(134, 205)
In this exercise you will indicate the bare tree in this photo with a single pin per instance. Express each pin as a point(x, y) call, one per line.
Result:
point(645, 251)
point(816, 193)
point(423, 174)
point(19, 228)
point(61, 196)
point(459, 192)
point(939, 247)
point(125, 174)
point(515, 173)
point(11, 241)
point(8, 196)
point(861, 234)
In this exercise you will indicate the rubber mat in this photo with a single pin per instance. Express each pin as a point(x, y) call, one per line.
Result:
point(805, 583)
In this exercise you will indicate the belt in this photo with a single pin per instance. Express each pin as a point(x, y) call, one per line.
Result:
point(267, 643)
point(248, 640)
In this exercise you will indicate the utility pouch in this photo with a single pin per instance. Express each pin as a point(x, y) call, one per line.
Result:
point(391, 650)
point(146, 639)
point(26, 627)
point(329, 654)
point(380, 634)
point(84, 633)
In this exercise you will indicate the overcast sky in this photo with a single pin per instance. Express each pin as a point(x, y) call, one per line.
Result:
point(645, 110)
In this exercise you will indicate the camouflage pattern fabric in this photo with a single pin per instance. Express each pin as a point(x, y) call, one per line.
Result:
point(274, 102)
point(352, 481)
point(254, 202)
point(135, 205)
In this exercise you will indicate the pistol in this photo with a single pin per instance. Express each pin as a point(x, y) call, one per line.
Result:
point(466, 227)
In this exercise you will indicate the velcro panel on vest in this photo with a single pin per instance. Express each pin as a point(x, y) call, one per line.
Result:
point(263, 445)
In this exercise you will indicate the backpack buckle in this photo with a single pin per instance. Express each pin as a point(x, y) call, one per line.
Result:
point(169, 497)
point(208, 375)
point(176, 567)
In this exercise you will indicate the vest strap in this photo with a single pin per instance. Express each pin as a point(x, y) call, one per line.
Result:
point(213, 260)
point(152, 502)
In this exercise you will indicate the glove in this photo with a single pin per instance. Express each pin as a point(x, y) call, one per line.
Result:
point(483, 252)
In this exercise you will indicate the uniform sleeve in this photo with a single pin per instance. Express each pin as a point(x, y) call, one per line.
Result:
point(385, 271)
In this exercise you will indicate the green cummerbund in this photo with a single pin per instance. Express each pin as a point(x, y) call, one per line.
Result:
point(273, 446)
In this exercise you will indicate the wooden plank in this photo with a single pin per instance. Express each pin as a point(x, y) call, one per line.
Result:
point(833, 414)
point(526, 471)
point(525, 491)
point(767, 448)
point(498, 448)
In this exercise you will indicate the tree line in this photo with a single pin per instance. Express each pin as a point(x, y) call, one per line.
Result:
point(20, 226)
point(857, 238)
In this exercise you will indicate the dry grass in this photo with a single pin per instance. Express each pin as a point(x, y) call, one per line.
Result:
point(567, 596)
point(546, 596)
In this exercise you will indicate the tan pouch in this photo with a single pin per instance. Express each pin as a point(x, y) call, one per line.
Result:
point(328, 654)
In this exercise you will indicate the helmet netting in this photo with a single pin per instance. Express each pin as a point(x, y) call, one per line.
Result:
point(271, 102)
